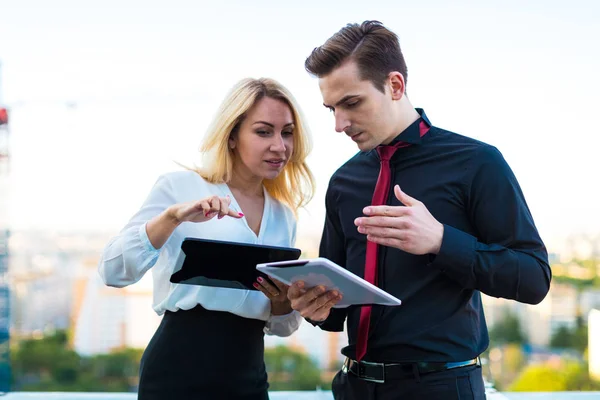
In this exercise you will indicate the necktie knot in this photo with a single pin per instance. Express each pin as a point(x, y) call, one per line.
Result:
point(386, 152)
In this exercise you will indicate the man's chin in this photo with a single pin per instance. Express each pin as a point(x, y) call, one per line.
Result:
point(365, 146)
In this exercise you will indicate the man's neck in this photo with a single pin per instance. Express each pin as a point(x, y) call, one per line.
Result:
point(406, 116)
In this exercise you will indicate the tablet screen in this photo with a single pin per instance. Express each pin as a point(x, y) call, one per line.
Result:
point(226, 264)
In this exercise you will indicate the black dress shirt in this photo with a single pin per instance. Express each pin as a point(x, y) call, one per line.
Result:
point(490, 245)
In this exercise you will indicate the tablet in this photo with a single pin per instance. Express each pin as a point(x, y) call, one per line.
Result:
point(321, 271)
point(225, 264)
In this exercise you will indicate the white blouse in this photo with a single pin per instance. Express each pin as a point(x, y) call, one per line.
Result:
point(130, 254)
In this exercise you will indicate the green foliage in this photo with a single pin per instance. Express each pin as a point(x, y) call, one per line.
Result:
point(49, 365)
point(576, 338)
point(566, 376)
point(508, 330)
point(539, 378)
point(581, 283)
point(561, 338)
point(291, 370)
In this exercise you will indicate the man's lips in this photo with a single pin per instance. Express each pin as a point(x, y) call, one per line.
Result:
point(355, 136)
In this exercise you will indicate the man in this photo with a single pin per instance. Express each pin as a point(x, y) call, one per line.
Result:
point(430, 216)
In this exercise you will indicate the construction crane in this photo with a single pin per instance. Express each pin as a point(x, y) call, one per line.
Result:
point(5, 370)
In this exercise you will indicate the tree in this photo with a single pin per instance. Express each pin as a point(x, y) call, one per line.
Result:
point(291, 370)
point(48, 364)
point(576, 338)
point(562, 338)
point(507, 330)
point(45, 362)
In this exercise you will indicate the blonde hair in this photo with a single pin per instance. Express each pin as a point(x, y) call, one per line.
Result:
point(295, 185)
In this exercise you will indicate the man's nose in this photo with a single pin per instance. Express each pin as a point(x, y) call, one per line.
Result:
point(341, 122)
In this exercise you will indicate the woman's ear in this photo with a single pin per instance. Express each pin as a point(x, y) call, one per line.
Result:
point(231, 142)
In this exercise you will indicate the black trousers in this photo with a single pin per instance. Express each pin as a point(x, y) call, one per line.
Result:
point(460, 383)
point(202, 354)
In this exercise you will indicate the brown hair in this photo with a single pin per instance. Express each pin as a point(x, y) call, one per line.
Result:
point(373, 47)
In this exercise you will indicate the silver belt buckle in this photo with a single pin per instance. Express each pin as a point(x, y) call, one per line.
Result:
point(362, 376)
point(345, 365)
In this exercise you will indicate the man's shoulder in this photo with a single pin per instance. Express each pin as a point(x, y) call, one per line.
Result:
point(446, 138)
point(441, 134)
point(358, 160)
point(478, 153)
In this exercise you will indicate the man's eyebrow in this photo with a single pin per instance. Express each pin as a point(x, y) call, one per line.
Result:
point(343, 100)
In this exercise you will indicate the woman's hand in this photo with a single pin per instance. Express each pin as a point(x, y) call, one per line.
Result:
point(203, 210)
point(160, 228)
point(280, 304)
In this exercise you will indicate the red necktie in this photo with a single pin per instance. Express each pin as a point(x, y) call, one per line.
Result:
point(380, 194)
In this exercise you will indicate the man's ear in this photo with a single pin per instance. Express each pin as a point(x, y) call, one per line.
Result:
point(397, 85)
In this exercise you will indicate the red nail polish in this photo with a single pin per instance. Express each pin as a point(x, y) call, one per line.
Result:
point(260, 279)
point(241, 214)
point(255, 285)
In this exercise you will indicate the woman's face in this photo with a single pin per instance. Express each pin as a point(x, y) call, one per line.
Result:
point(264, 142)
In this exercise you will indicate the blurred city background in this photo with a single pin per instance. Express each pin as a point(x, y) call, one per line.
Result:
point(98, 99)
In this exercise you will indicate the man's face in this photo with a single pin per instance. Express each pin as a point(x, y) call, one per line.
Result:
point(361, 111)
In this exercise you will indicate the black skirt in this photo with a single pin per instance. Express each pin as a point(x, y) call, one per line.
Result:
point(202, 354)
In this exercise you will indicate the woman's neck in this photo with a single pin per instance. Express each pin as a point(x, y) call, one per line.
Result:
point(246, 183)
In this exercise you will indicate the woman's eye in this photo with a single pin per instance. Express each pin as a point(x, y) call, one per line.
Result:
point(262, 132)
point(288, 133)
point(350, 105)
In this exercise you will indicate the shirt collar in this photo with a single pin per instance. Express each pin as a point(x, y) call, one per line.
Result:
point(412, 134)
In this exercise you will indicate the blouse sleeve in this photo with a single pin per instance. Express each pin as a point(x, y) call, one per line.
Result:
point(128, 256)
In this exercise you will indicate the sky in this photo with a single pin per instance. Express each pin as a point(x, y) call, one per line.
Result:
point(105, 96)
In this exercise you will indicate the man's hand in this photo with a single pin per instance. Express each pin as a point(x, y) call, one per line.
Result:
point(410, 228)
point(314, 303)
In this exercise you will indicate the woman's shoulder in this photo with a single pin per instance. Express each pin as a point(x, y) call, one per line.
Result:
point(187, 180)
point(187, 177)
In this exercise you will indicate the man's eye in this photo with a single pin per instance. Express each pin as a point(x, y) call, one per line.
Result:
point(350, 105)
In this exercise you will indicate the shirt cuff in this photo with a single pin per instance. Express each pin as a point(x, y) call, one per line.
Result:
point(315, 323)
point(147, 245)
point(457, 251)
point(283, 325)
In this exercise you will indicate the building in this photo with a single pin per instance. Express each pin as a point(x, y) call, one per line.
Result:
point(106, 319)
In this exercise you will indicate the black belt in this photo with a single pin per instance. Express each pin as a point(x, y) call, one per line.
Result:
point(379, 372)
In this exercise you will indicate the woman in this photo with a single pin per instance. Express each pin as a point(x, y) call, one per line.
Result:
point(254, 177)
